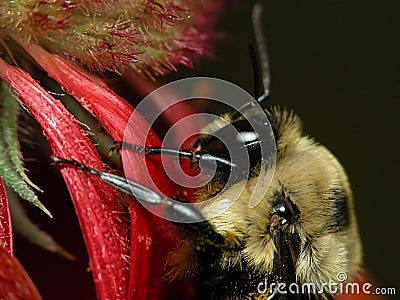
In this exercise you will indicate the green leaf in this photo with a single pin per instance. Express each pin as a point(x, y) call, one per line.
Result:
point(10, 120)
point(11, 164)
point(24, 226)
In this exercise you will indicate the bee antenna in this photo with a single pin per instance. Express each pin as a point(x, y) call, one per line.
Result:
point(256, 72)
point(193, 156)
point(262, 51)
point(72, 162)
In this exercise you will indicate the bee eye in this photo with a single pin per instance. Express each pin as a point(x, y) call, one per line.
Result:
point(246, 133)
point(233, 138)
point(285, 209)
point(216, 147)
point(237, 134)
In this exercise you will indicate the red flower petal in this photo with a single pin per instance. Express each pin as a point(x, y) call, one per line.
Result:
point(15, 283)
point(95, 202)
point(5, 221)
point(141, 250)
point(172, 109)
point(114, 113)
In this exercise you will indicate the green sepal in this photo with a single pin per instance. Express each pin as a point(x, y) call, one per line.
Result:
point(24, 226)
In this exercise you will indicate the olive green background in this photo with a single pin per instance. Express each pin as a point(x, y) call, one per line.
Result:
point(336, 64)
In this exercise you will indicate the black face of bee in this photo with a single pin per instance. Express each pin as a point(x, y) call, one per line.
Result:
point(240, 135)
point(240, 282)
point(237, 143)
point(283, 214)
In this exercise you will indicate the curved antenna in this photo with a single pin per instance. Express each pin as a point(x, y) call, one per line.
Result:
point(188, 214)
point(262, 50)
point(256, 72)
point(193, 156)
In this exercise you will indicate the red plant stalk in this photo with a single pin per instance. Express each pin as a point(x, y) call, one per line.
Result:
point(5, 221)
point(96, 203)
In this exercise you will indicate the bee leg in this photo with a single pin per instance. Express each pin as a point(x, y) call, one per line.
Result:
point(174, 209)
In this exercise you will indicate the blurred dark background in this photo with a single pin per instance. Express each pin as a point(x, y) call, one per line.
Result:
point(336, 64)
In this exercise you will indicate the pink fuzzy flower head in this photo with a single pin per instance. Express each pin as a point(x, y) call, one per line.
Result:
point(151, 36)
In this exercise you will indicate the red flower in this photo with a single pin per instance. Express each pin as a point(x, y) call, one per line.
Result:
point(96, 203)
point(147, 36)
point(113, 112)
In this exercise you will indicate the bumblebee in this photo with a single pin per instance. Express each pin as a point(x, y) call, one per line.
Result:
point(303, 231)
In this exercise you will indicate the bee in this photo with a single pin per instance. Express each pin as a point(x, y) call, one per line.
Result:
point(303, 231)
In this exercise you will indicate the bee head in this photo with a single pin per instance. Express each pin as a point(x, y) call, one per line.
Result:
point(304, 229)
